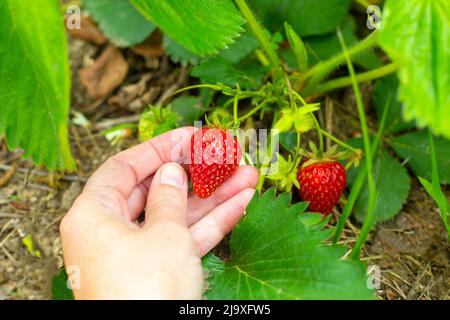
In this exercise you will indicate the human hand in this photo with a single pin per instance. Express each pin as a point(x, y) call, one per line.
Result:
point(160, 258)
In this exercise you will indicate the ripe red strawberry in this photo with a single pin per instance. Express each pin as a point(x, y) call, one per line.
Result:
point(215, 155)
point(322, 184)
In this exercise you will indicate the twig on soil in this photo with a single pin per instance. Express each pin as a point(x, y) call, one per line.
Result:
point(92, 138)
point(54, 221)
point(108, 123)
point(370, 258)
point(39, 187)
point(8, 254)
point(394, 287)
point(398, 277)
point(9, 215)
point(9, 235)
point(416, 285)
point(6, 167)
point(83, 151)
point(180, 81)
point(10, 221)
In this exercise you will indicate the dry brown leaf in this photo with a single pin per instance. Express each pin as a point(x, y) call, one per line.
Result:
point(8, 175)
point(88, 32)
point(130, 92)
point(106, 74)
point(151, 47)
point(19, 205)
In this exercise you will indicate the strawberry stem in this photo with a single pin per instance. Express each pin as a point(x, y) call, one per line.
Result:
point(319, 132)
point(338, 141)
point(254, 110)
point(235, 109)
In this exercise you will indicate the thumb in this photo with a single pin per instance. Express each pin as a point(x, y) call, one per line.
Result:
point(167, 198)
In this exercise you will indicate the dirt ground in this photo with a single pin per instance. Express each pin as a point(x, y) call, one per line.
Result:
point(411, 250)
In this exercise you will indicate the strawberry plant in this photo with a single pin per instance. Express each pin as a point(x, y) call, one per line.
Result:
point(265, 65)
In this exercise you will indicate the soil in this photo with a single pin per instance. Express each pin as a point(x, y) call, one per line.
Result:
point(411, 250)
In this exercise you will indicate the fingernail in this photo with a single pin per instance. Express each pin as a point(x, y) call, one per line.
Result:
point(172, 174)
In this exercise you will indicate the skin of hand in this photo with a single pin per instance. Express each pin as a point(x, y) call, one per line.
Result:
point(115, 257)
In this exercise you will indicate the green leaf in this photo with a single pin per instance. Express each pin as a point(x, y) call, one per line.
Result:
point(119, 21)
point(307, 17)
point(420, 48)
point(241, 48)
point(35, 81)
point(218, 70)
point(392, 185)
point(437, 195)
point(414, 148)
point(234, 53)
point(275, 255)
point(285, 177)
point(202, 26)
point(60, 291)
point(155, 121)
point(178, 53)
point(386, 91)
point(189, 109)
point(326, 46)
point(440, 199)
point(302, 118)
point(288, 140)
point(297, 47)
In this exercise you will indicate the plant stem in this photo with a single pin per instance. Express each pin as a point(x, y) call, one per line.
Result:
point(196, 86)
point(251, 112)
point(267, 158)
point(321, 70)
point(347, 81)
point(262, 57)
point(363, 3)
point(258, 32)
point(235, 109)
point(358, 184)
point(338, 141)
point(319, 132)
point(299, 97)
point(370, 217)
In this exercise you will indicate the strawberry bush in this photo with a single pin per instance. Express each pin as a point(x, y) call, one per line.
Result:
point(265, 65)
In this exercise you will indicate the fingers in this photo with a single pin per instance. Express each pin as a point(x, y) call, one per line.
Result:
point(138, 197)
point(129, 168)
point(167, 199)
point(244, 177)
point(211, 229)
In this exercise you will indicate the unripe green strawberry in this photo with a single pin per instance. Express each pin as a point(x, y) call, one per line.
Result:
point(321, 184)
point(215, 156)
